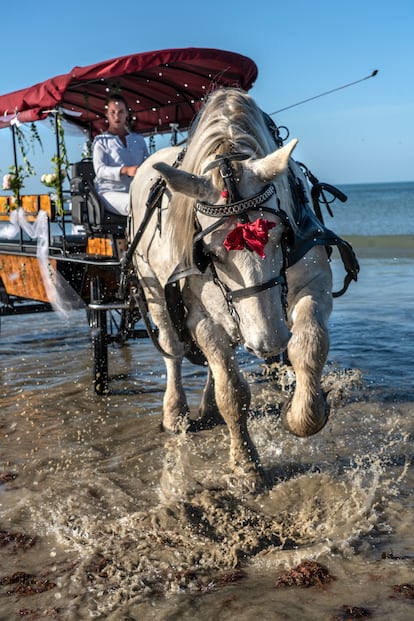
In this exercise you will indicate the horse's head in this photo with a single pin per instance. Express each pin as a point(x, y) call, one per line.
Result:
point(240, 224)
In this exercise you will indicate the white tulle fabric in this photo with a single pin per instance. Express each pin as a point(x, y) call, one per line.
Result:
point(60, 294)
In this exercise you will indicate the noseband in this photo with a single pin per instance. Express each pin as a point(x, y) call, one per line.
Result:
point(236, 206)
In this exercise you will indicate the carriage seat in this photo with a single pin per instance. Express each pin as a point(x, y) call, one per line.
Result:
point(87, 207)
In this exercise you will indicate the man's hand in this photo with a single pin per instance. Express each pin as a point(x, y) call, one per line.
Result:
point(129, 170)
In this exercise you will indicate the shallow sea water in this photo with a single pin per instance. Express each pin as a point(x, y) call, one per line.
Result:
point(113, 519)
point(133, 524)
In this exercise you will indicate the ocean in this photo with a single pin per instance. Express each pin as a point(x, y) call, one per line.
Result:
point(375, 209)
point(377, 313)
point(103, 516)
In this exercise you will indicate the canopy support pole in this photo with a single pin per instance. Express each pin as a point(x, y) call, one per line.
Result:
point(18, 200)
point(59, 170)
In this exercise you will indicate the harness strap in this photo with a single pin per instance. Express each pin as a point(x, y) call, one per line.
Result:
point(152, 332)
point(209, 229)
point(229, 156)
point(313, 232)
point(248, 291)
point(154, 199)
point(177, 312)
point(153, 202)
point(350, 263)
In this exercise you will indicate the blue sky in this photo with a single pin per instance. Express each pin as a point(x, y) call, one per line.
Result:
point(360, 134)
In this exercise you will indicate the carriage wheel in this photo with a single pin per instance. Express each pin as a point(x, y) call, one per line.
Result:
point(99, 338)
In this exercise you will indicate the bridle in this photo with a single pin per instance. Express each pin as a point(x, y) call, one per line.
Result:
point(236, 206)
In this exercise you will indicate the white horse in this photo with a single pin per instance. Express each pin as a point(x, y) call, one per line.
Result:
point(219, 240)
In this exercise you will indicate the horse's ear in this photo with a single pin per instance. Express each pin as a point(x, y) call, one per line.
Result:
point(273, 165)
point(185, 183)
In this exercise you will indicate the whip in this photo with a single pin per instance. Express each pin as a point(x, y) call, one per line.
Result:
point(338, 88)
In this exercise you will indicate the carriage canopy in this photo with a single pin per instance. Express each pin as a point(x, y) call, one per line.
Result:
point(162, 88)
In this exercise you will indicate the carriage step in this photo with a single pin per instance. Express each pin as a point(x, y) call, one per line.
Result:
point(109, 306)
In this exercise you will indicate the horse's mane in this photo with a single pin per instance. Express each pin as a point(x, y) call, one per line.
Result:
point(229, 121)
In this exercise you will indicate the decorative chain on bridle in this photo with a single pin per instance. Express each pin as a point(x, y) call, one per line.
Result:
point(238, 207)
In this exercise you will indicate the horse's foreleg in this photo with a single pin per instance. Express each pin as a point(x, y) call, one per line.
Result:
point(308, 348)
point(232, 396)
point(209, 412)
point(175, 408)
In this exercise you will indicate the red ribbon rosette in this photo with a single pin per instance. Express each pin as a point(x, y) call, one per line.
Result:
point(251, 235)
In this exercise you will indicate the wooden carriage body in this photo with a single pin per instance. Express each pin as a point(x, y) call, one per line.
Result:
point(164, 90)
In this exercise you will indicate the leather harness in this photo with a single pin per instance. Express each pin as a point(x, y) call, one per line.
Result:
point(306, 231)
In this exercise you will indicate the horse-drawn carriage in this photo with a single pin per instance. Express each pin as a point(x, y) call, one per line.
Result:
point(225, 242)
point(165, 90)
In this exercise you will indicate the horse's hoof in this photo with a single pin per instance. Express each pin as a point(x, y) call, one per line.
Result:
point(248, 479)
point(304, 427)
point(178, 425)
